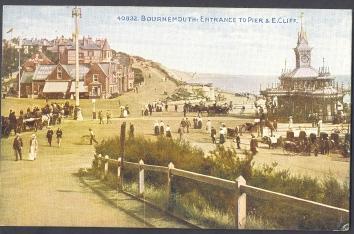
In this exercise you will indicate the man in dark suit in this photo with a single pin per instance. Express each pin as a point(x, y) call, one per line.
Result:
point(17, 146)
point(50, 136)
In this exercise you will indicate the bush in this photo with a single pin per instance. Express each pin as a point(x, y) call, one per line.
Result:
point(225, 163)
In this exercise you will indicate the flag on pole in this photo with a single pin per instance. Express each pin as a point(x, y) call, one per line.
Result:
point(10, 30)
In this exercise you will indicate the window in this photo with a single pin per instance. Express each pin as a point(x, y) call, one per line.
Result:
point(95, 77)
point(59, 73)
point(90, 53)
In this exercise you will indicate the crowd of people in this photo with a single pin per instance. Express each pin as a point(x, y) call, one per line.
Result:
point(18, 145)
point(49, 114)
point(156, 106)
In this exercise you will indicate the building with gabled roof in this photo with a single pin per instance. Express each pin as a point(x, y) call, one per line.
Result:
point(37, 58)
point(90, 51)
point(39, 77)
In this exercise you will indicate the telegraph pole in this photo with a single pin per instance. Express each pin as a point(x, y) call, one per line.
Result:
point(76, 13)
point(19, 67)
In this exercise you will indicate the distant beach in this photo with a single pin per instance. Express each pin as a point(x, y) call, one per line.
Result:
point(248, 83)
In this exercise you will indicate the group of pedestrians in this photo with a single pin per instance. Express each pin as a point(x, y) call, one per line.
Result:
point(156, 106)
point(108, 117)
point(33, 144)
point(58, 133)
point(161, 130)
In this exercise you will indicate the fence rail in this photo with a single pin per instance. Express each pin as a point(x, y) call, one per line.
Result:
point(239, 186)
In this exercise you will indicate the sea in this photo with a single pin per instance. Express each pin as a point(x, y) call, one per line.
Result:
point(249, 83)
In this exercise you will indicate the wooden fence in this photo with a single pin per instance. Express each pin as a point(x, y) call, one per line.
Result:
point(239, 187)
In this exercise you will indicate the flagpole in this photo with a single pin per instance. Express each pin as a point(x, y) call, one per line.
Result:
point(76, 12)
point(19, 67)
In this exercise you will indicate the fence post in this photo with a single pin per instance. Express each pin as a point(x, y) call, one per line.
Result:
point(105, 168)
point(141, 179)
point(99, 164)
point(94, 163)
point(119, 174)
point(240, 209)
point(170, 189)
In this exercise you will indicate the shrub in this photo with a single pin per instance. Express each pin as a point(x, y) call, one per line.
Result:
point(225, 163)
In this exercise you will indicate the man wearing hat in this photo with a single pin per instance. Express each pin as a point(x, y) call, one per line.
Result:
point(50, 135)
point(17, 146)
point(92, 137)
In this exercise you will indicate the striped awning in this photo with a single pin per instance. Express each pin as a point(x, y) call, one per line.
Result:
point(56, 87)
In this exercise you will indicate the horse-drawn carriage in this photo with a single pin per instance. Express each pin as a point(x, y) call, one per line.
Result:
point(32, 124)
point(309, 142)
point(214, 109)
point(300, 142)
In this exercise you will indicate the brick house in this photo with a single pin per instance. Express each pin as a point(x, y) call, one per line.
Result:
point(60, 82)
point(100, 75)
point(90, 51)
point(28, 70)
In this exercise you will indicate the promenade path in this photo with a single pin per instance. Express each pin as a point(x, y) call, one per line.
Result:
point(47, 192)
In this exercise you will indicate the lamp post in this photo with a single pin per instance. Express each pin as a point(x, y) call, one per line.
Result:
point(19, 67)
point(93, 108)
point(76, 13)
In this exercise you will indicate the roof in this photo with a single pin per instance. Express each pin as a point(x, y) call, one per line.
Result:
point(26, 77)
point(104, 67)
point(303, 72)
point(37, 58)
point(71, 70)
point(35, 42)
point(56, 87)
point(43, 71)
point(82, 87)
point(106, 45)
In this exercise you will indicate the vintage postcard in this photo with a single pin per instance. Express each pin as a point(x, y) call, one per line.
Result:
point(170, 117)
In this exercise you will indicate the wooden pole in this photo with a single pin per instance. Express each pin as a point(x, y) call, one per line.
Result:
point(99, 165)
point(119, 174)
point(105, 170)
point(240, 211)
point(141, 179)
point(169, 187)
point(122, 147)
point(95, 160)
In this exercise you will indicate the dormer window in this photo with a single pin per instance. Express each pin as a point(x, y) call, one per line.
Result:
point(95, 78)
point(59, 73)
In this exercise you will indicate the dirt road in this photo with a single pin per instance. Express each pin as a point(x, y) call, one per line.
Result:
point(46, 192)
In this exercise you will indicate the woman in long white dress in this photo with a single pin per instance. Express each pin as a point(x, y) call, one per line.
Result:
point(33, 148)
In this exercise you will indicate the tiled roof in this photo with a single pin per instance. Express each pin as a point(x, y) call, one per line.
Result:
point(37, 58)
point(71, 69)
point(43, 71)
point(26, 77)
point(106, 45)
point(303, 72)
point(105, 68)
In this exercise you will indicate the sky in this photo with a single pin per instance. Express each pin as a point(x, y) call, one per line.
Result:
point(223, 48)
